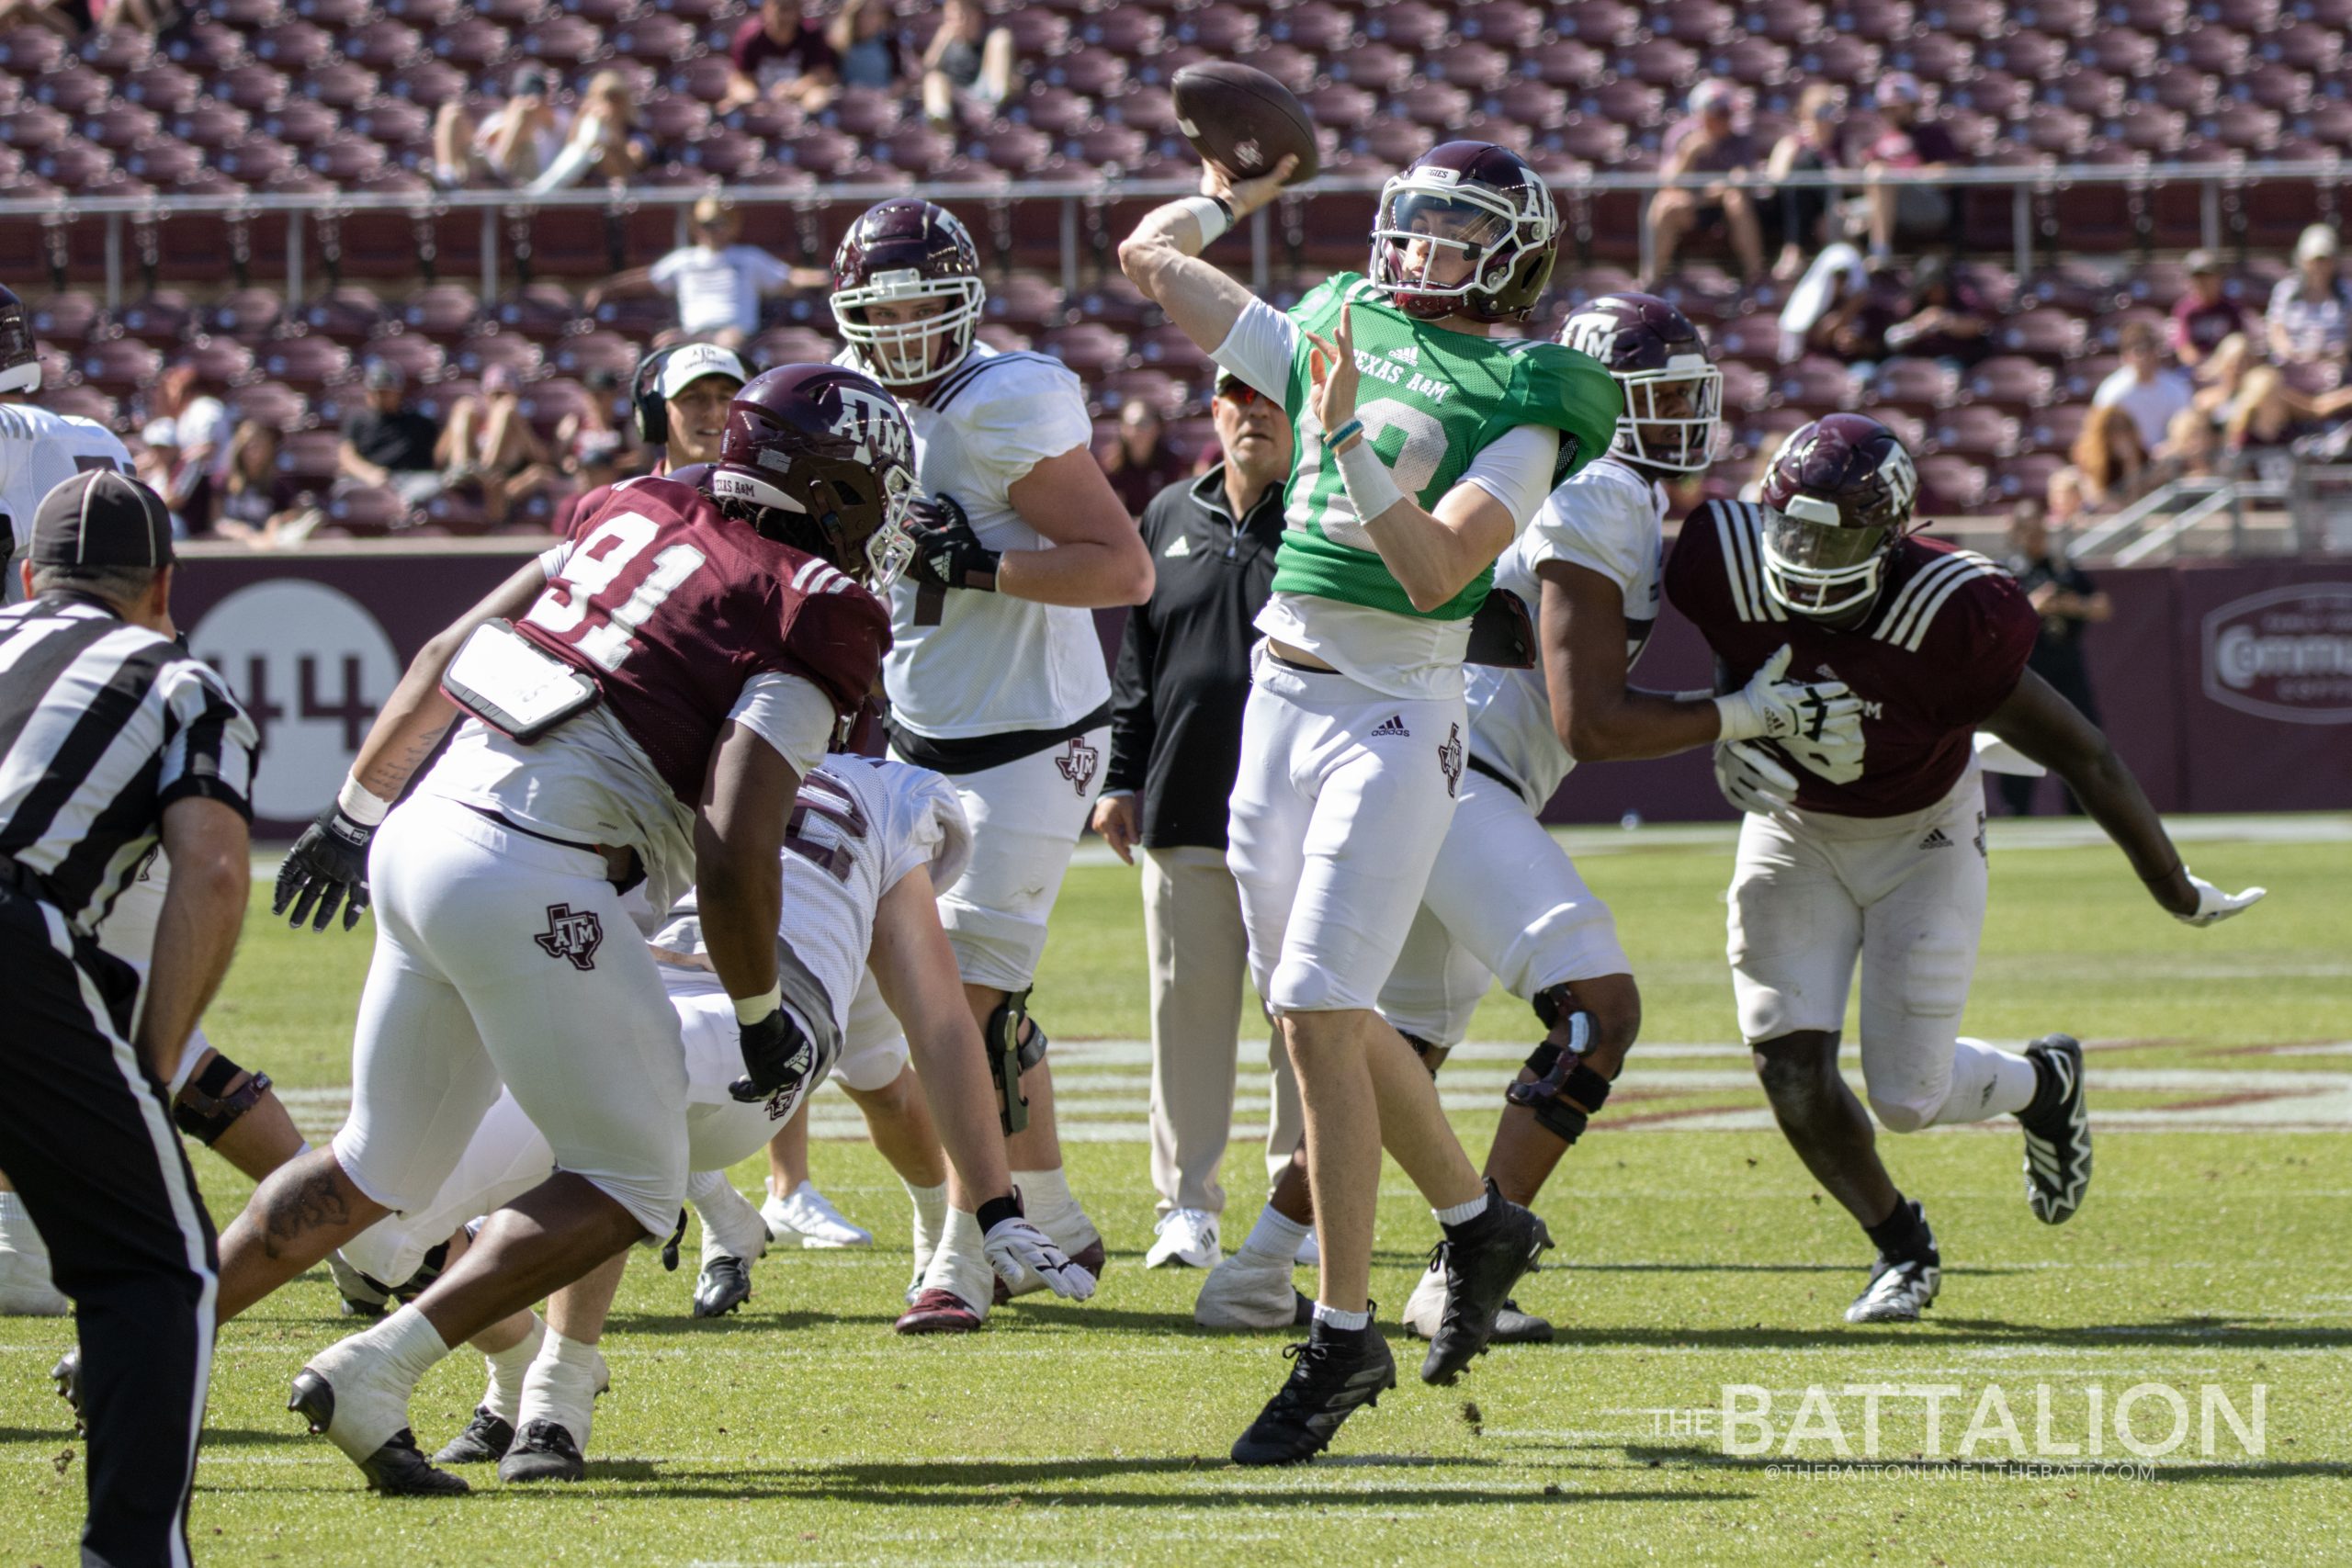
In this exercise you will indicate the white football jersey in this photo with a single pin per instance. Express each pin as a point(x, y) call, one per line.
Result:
point(38, 451)
point(1611, 519)
point(963, 663)
point(861, 825)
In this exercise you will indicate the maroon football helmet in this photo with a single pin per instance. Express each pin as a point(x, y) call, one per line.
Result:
point(819, 457)
point(1467, 228)
point(904, 252)
point(20, 359)
point(1836, 502)
point(1672, 394)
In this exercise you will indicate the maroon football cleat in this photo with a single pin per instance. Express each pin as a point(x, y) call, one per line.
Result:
point(939, 1312)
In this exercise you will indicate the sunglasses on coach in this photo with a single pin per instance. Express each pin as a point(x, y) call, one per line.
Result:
point(1241, 393)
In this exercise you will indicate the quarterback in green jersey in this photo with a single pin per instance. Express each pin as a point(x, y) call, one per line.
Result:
point(1426, 442)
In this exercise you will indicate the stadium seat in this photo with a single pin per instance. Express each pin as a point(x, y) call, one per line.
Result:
point(292, 46)
point(1376, 67)
point(2026, 474)
point(1319, 28)
point(1821, 385)
point(272, 403)
point(472, 44)
point(1976, 429)
point(591, 351)
point(119, 366)
point(1950, 484)
point(2054, 429)
point(74, 90)
point(1409, 23)
point(2011, 383)
point(1923, 387)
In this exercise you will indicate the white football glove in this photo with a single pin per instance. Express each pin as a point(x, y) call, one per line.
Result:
point(1015, 1245)
point(1752, 780)
point(1772, 707)
point(2213, 906)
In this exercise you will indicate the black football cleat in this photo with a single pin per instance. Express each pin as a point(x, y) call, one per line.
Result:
point(361, 1296)
point(397, 1469)
point(543, 1450)
point(485, 1440)
point(2058, 1136)
point(1480, 1270)
point(1331, 1377)
point(1900, 1289)
point(724, 1285)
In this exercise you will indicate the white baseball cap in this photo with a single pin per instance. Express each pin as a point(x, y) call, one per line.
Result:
point(693, 361)
point(2319, 240)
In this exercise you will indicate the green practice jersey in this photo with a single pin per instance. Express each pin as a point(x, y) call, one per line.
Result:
point(1430, 399)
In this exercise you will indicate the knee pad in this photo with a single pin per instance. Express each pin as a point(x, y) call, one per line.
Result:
point(1566, 1092)
point(211, 1101)
point(1010, 1056)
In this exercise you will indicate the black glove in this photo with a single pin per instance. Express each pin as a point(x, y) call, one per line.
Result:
point(947, 553)
point(776, 1056)
point(328, 866)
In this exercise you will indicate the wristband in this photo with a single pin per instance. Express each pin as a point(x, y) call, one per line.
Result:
point(1738, 717)
point(748, 1011)
point(363, 805)
point(996, 1211)
point(1334, 439)
point(1372, 489)
point(1214, 214)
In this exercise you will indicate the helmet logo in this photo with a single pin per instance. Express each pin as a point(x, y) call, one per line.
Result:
point(873, 423)
point(1591, 334)
point(1901, 477)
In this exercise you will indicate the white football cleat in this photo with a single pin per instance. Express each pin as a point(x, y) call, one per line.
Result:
point(1426, 1306)
point(1248, 1291)
point(350, 1395)
point(1187, 1237)
point(25, 1288)
point(1896, 1293)
point(808, 1215)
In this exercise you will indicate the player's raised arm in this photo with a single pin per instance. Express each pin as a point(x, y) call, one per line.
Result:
point(2053, 731)
point(1162, 257)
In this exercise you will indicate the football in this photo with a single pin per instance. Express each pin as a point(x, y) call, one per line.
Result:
point(1242, 117)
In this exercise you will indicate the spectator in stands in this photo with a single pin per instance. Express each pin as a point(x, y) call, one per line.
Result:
point(201, 421)
point(696, 381)
point(1906, 144)
point(967, 69)
point(2068, 601)
point(1810, 147)
point(69, 18)
point(717, 282)
point(1139, 461)
point(605, 142)
point(514, 144)
point(865, 36)
point(1706, 142)
point(2210, 332)
point(2111, 460)
point(387, 443)
point(248, 508)
point(780, 55)
point(2144, 386)
point(1944, 317)
point(186, 488)
point(589, 443)
point(2310, 317)
point(490, 445)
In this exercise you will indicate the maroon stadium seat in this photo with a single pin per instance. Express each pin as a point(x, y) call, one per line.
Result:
point(2026, 474)
point(1821, 385)
point(164, 162)
point(301, 122)
point(348, 314)
point(1951, 485)
point(117, 52)
point(75, 165)
point(1661, 63)
point(381, 45)
point(1128, 30)
point(1874, 21)
point(120, 126)
point(565, 42)
point(76, 89)
point(2060, 18)
point(1700, 23)
point(205, 45)
point(1409, 23)
point(1226, 29)
point(1965, 18)
point(470, 42)
point(1786, 22)
point(1432, 104)
point(1839, 59)
point(119, 366)
point(1922, 386)
point(2054, 429)
point(220, 362)
point(66, 318)
point(1025, 300)
point(483, 350)
point(304, 363)
point(1317, 26)
point(1376, 67)
point(444, 310)
point(293, 46)
point(1602, 23)
point(249, 315)
point(791, 345)
point(1058, 111)
point(2027, 55)
point(1097, 73)
point(2042, 333)
point(86, 401)
point(164, 316)
point(1480, 67)
point(1754, 61)
point(1744, 387)
point(1566, 62)
point(1506, 23)
point(1978, 430)
point(1342, 106)
point(593, 351)
point(727, 155)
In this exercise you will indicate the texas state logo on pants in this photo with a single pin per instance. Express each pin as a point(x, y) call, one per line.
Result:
point(573, 934)
point(1078, 763)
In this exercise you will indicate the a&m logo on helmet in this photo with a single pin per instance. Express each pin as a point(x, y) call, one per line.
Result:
point(875, 424)
point(1901, 477)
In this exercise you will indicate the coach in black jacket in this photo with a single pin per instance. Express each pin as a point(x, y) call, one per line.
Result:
point(1182, 679)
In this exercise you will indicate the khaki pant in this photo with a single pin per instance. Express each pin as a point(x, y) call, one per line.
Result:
point(1192, 922)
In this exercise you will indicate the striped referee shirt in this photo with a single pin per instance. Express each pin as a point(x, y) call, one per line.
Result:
point(104, 723)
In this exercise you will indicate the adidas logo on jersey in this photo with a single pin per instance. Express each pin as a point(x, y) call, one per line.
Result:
point(1935, 839)
point(1182, 546)
point(1396, 725)
point(1408, 354)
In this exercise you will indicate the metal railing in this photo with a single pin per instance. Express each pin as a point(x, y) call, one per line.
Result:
point(2218, 184)
point(2157, 525)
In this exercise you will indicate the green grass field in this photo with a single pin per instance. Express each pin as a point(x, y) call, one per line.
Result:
point(1693, 1254)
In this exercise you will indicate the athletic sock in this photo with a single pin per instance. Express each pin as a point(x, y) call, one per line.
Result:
point(931, 1219)
point(702, 1184)
point(17, 1233)
point(508, 1368)
point(960, 1263)
point(410, 1344)
point(1903, 1234)
point(561, 1387)
point(1276, 1237)
point(1986, 1083)
point(1464, 1218)
point(1329, 1321)
point(1046, 1202)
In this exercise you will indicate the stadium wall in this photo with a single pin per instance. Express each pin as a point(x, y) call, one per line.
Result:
point(2228, 687)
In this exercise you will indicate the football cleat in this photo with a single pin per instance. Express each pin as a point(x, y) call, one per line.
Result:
point(485, 1440)
point(1090, 1258)
point(1250, 1291)
point(543, 1450)
point(1331, 1379)
point(391, 1461)
point(810, 1215)
point(1188, 1238)
point(1897, 1292)
point(2058, 1142)
point(362, 1297)
point(937, 1311)
point(1426, 1308)
point(67, 1376)
point(25, 1288)
point(1480, 1272)
point(723, 1284)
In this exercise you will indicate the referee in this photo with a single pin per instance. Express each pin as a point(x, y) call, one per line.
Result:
point(112, 740)
point(1176, 701)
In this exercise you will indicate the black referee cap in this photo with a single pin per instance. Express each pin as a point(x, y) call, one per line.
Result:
point(102, 518)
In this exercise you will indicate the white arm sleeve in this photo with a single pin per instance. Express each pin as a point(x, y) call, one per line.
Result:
point(790, 714)
point(1260, 350)
point(552, 558)
point(1517, 469)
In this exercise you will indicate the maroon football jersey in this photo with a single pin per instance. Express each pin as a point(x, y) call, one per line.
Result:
point(1942, 648)
point(671, 608)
